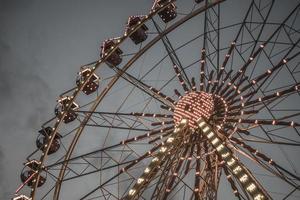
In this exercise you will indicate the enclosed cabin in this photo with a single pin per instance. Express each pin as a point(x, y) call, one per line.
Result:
point(140, 35)
point(45, 135)
point(62, 107)
point(91, 85)
point(167, 14)
point(114, 58)
point(28, 175)
point(21, 197)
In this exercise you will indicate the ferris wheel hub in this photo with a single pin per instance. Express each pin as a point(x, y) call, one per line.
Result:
point(192, 106)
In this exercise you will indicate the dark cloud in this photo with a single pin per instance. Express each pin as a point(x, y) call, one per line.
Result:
point(18, 77)
point(24, 105)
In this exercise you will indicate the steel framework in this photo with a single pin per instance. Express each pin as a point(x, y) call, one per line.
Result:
point(220, 116)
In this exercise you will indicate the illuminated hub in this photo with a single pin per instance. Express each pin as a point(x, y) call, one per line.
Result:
point(193, 106)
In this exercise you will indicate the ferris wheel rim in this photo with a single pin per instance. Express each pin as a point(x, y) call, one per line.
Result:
point(98, 64)
point(99, 99)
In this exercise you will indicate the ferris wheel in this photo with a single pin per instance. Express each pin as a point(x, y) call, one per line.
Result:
point(191, 102)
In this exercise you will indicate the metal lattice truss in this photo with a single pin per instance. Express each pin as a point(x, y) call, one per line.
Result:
point(175, 128)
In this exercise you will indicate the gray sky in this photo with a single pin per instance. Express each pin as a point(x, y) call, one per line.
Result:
point(42, 45)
